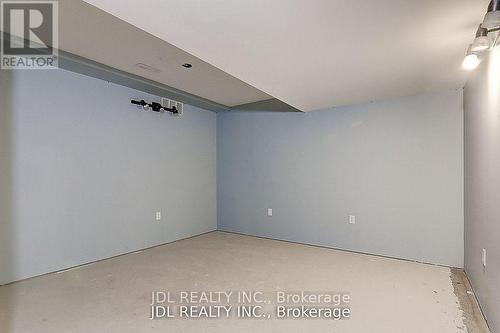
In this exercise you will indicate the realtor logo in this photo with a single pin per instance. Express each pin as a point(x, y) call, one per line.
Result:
point(29, 34)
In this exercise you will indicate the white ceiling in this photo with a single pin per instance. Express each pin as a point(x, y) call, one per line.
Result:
point(319, 53)
point(89, 32)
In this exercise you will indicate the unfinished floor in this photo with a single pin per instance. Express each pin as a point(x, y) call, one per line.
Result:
point(114, 295)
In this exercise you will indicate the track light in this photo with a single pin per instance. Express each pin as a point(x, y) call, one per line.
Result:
point(481, 42)
point(156, 107)
point(142, 103)
point(471, 60)
point(492, 17)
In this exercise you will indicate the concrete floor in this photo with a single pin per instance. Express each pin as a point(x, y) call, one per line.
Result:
point(114, 295)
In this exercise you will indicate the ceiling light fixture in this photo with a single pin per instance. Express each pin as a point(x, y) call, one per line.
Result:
point(186, 65)
point(481, 42)
point(492, 17)
point(471, 60)
point(156, 107)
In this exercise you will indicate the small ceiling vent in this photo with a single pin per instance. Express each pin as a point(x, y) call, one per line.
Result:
point(147, 68)
point(170, 103)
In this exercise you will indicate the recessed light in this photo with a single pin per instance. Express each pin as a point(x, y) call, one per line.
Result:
point(186, 65)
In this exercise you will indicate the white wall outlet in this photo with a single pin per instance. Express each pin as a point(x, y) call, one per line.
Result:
point(158, 216)
point(484, 257)
point(269, 212)
point(352, 219)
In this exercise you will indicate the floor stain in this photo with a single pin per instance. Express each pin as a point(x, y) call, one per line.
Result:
point(472, 316)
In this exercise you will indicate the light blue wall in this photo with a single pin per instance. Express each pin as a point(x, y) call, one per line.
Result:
point(482, 184)
point(83, 172)
point(397, 165)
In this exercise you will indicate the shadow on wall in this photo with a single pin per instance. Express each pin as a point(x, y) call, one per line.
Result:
point(8, 258)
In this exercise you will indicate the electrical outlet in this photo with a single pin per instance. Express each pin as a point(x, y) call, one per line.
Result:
point(352, 219)
point(158, 216)
point(484, 258)
point(269, 212)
